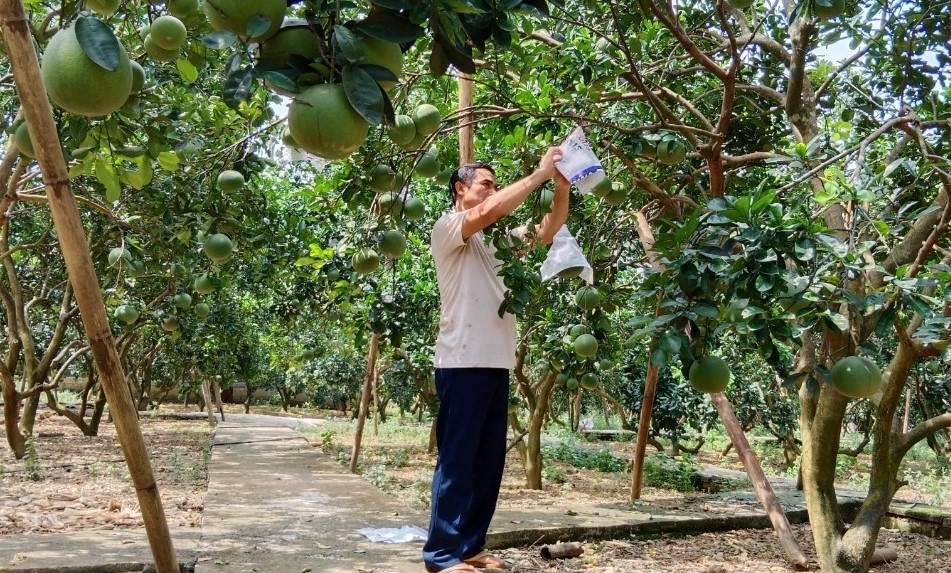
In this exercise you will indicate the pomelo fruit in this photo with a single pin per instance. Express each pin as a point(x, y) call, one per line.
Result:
point(856, 377)
point(586, 345)
point(617, 195)
point(138, 77)
point(218, 247)
point(570, 272)
point(176, 270)
point(182, 8)
point(578, 330)
point(203, 284)
point(428, 164)
point(414, 209)
point(589, 381)
point(171, 324)
point(829, 12)
point(365, 261)
point(671, 151)
point(588, 298)
point(79, 85)
point(571, 383)
point(24, 141)
point(323, 122)
point(182, 300)
point(403, 130)
point(235, 15)
point(126, 313)
point(168, 32)
point(202, 310)
point(103, 7)
point(119, 257)
point(392, 244)
point(602, 188)
point(382, 178)
point(426, 118)
point(709, 374)
point(230, 181)
point(158, 53)
point(391, 204)
point(297, 41)
point(384, 54)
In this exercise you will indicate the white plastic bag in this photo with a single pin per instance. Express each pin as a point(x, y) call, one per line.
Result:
point(580, 166)
point(404, 534)
point(565, 259)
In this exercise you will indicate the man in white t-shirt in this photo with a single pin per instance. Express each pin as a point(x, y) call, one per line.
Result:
point(475, 350)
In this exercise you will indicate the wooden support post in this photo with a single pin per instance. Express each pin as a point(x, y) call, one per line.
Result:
point(82, 276)
point(466, 129)
point(764, 491)
point(364, 401)
point(643, 431)
point(208, 398)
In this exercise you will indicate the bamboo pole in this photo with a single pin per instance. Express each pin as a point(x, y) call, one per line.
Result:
point(82, 276)
point(764, 491)
point(466, 130)
point(364, 401)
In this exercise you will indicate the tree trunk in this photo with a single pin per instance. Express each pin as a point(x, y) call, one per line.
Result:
point(82, 276)
point(533, 443)
point(28, 413)
point(11, 414)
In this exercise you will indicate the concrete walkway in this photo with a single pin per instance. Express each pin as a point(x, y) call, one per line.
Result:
point(276, 504)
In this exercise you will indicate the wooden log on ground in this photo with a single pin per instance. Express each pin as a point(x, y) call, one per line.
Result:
point(562, 550)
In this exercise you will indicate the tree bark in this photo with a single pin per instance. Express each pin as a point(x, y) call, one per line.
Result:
point(72, 238)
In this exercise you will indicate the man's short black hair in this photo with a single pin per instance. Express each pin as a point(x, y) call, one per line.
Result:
point(466, 174)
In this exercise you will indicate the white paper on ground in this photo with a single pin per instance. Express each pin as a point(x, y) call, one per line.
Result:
point(404, 534)
point(565, 253)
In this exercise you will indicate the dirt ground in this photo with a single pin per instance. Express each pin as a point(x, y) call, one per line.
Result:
point(82, 483)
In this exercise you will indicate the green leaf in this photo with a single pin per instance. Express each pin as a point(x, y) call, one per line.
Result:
point(106, 175)
point(304, 262)
point(168, 160)
point(187, 71)
point(390, 27)
point(139, 177)
point(351, 52)
point(281, 81)
point(237, 87)
point(363, 93)
point(98, 42)
point(258, 25)
point(219, 40)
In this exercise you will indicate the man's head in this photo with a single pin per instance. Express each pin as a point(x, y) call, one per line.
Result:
point(471, 184)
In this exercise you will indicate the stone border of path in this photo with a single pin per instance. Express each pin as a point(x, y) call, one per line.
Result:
point(276, 504)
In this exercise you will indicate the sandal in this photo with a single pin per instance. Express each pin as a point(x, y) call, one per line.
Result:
point(458, 568)
point(485, 560)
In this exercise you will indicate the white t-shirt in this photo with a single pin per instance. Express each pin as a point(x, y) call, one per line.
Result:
point(471, 334)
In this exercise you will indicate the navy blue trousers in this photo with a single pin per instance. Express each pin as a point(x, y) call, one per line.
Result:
point(470, 433)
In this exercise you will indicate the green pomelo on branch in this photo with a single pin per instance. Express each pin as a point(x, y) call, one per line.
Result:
point(392, 244)
point(602, 188)
point(578, 330)
point(126, 313)
point(138, 77)
point(203, 284)
point(426, 118)
point(671, 151)
point(235, 15)
point(428, 164)
point(856, 377)
point(444, 175)
point(202, 310)
point(586, 346)
point(171, 324)
point(119, 257)
point(218, 247)
point(570, 272)
point(230, 181)
point(831, 9)
point(168, 32)
point(365, 261)
point(23, 140)
point(709, 374)
point(290, 42)
point(158, 53)
point(384, 54)
point(617, 195)
point(414, 209)
point(182, 8)
point(588, 298)
point(589, 381)
point(391, 204)
point(322, 122)
point(382, 178)
point(103, 7)
point(571, 383)
point(78, 84)
point(182, 300)
point(403, 130)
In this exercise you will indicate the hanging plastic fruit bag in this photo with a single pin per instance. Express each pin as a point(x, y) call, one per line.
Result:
point(565, 259)
point(580, 166)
